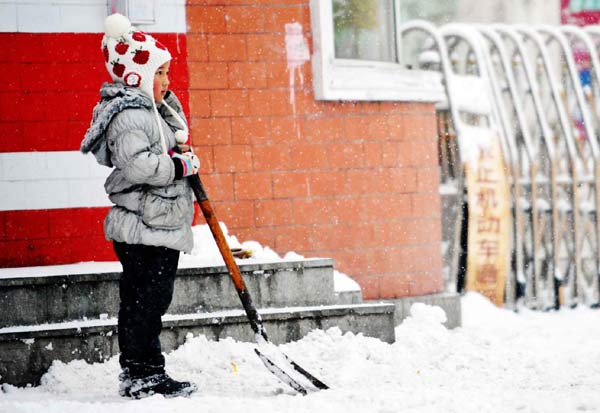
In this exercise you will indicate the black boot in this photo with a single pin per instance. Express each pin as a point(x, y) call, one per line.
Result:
point(138, 388)
point(139, 380)
point(124, 383)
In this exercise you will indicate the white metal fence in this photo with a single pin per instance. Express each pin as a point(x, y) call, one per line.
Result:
point(538, 88)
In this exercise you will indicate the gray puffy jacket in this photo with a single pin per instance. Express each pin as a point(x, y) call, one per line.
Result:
point(151, 207)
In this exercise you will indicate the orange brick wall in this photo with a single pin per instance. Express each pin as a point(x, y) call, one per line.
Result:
point(357, 182)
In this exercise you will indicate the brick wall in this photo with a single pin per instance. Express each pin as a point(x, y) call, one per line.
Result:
point(357, 182)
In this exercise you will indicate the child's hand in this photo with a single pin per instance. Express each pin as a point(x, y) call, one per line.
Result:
point(184, 148)
point(186, 164)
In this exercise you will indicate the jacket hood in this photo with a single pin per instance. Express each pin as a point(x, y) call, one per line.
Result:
point(115, 97)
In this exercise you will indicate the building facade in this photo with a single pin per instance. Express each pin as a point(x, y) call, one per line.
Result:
point(351, 179)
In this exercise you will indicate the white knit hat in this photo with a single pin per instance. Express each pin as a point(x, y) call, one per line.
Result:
point(131, 56)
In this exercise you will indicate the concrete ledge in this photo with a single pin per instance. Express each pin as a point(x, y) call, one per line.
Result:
point(348, 297)
point(26, 352)
point(449, 302)
point(59, 274)
point(54, 297)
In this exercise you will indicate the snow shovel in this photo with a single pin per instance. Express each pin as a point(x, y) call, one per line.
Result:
point(276, 361)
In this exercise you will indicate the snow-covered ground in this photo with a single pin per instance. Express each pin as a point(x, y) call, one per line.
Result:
point(498, 361)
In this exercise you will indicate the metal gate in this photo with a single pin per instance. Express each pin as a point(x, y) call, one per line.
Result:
point(538, 89)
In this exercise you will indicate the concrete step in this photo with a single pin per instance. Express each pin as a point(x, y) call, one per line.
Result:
point(26, 352)
point(37, 295)
point(348, 297)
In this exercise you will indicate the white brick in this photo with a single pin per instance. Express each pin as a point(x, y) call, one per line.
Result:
point(22, 166)
point(57, 179)
point(97, 170)
point(38, 18)
point(8, 17)
point(46, 194)
point(18, 166)
point(79, 18)
point(87, 193)
point(65, 165)
point(13, 196)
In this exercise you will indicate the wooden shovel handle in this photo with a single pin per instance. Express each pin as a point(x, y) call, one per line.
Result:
point(234, 271)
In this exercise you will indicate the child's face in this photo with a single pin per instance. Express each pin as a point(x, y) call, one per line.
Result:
point(161, 82)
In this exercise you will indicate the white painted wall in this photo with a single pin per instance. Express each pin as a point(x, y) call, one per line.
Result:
point(48, 180)
point(81, 16)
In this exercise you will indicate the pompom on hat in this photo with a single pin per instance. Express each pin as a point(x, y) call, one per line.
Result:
point(131, 56)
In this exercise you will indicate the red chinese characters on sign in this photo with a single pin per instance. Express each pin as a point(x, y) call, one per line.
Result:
point(488, 218)
point(488, 243)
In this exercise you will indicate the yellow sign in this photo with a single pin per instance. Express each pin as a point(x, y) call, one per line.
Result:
point(488, 254)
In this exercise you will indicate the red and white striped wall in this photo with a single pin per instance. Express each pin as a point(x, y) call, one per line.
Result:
point(52, 200)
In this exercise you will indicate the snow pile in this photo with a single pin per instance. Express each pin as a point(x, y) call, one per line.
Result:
point(341, 282)
point(498, 361)
point(206, 253)
point(423, 328)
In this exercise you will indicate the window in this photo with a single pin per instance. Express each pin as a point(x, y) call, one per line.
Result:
point(363, 29)
point(357, 54)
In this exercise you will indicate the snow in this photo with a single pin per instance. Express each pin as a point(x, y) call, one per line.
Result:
point(60, 270)
point(449, 188)
point(474, 140)
point(341, 282)
point(498, 361)
point(206, 252)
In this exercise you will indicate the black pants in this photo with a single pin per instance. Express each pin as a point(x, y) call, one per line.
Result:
point(146, 290)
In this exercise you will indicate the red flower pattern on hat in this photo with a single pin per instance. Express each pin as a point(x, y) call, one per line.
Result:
point(121, 48)
point(141, 57)
point(118, 68)
point(138, 36)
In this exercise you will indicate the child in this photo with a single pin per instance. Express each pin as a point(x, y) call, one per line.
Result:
point(135, 128)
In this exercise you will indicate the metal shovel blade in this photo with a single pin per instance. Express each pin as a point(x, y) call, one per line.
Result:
point(281, 374)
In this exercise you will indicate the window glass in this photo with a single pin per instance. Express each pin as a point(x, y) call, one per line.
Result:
point(364, 30)
point(438, 12)
point(581, 5)
point(435, 11)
